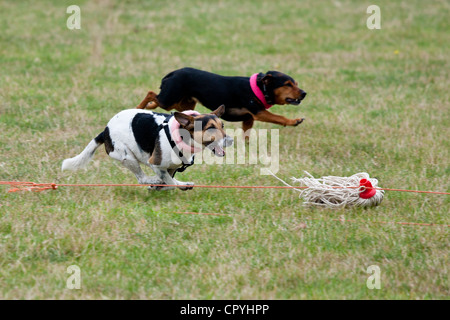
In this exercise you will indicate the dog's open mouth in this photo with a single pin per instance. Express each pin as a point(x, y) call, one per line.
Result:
point(295, 102)
point(218, 151)
point(217, 147)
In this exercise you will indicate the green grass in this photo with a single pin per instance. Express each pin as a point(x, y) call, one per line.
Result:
point(378, 101)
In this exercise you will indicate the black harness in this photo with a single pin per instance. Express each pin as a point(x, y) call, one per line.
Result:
point(185, 162)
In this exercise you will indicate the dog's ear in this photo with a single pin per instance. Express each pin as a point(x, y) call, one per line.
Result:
point(219, 111)
point(183, 119)
point(267, 79)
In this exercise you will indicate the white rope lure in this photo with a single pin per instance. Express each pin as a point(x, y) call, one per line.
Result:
point(338, 192)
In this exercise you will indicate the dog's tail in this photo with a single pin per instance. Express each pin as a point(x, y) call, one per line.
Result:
point(80, 161)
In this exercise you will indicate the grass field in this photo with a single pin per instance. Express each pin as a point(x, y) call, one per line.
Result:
point(378, 101)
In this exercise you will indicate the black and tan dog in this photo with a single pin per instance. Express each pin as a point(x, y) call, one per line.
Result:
point(166, 143)
point(246, 98)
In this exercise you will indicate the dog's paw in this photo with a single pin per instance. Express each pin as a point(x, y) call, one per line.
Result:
point(152, 180)
point(298, 121)
point(187, 186)
point(152, 188)
point(160, 188)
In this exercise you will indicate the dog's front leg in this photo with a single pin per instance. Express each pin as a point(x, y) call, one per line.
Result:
point(167, 178)
point(184, 185)
point(267, 116)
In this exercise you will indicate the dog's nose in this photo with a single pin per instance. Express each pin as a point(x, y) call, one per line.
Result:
point(302, 94)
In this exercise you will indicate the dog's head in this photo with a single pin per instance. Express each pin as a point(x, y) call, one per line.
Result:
point(280, 88)
point(206, 130)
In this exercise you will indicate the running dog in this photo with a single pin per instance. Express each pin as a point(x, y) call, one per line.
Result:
point(246, 98)
point(166, 143)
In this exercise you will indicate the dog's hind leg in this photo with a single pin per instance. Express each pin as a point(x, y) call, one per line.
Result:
point(131, 163)
point(133, 166)
point(173, 95)
point(183, 105)
point(149, 102)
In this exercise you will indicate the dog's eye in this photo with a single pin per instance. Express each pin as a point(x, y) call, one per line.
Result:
point(223, 125)
point(288, 85)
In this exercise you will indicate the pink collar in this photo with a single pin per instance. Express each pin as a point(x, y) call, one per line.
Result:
point(175, 133)
point(257, 91)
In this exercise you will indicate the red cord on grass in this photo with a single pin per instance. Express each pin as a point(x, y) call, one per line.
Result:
point(31, 186)
point(21, 186)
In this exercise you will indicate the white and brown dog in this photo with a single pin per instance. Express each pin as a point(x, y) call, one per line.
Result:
point(166, 143)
